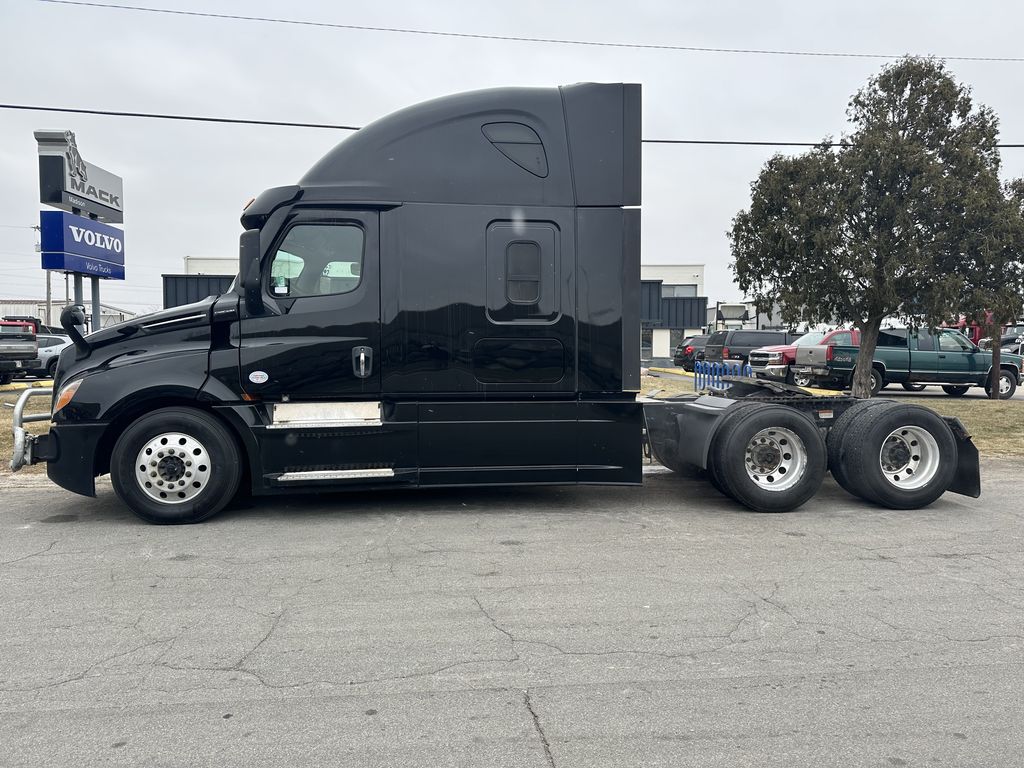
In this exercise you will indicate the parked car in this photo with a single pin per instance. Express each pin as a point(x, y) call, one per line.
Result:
point(689, 351)
point(50, 346)
point(944, 356)
point(777, 362)
point(18, 346)
point(735, 346)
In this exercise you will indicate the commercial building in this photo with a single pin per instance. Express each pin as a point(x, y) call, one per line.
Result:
point(672, 306)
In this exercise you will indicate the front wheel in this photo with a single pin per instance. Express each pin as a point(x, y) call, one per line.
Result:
point(175, 465)
point(1007, 385)
point(913, 387)
point(6, 378)
point(51, 369)
point(798, 379)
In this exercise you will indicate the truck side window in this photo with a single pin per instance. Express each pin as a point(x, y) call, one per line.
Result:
point(954, 341)
point(894, 337)
point(317, 260)
point(844, 339)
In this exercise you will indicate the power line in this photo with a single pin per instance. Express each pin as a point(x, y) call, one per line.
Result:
point(194, 118)
point(514, 38)
point(331, 126)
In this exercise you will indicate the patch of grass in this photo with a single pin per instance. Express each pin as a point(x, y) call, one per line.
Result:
point(996, 426)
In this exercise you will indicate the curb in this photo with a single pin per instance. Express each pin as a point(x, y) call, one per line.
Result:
point(17, 386)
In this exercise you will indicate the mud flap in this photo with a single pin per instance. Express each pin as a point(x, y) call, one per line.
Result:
point(967, 480)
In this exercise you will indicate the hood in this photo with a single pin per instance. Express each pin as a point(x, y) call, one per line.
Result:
point(173, 319)
point(776, 348)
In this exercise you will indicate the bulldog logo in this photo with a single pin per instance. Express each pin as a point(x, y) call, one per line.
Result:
point(76, 165)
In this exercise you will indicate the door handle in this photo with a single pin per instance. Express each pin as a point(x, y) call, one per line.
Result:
point(362, 362)
point(942, 357)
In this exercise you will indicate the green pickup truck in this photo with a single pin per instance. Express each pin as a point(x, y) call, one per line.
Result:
point(944, 356)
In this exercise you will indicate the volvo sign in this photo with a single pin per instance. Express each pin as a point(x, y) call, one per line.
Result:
point(76, 244)
point(68, 182)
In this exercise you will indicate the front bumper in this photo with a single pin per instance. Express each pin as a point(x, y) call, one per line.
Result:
point(775, 372)
point(69, 450)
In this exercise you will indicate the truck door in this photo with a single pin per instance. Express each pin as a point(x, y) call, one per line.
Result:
point(319, 337)
point(313, 359)
point(959, 360)
point(924, 358)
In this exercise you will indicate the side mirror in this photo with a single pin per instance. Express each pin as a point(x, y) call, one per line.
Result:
point(249, 270)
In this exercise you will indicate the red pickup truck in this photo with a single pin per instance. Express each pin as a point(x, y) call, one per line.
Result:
point(775, 362)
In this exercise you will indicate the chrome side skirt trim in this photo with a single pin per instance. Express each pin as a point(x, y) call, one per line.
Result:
point(334, 474)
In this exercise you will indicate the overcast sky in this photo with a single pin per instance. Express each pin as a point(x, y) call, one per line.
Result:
point(185, 183)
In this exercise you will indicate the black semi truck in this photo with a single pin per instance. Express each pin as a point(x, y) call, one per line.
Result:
point(450, 297)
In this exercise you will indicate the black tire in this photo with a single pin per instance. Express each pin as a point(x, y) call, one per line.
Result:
point(6, 378)
point(1007, 385)
point(877, 382)
point(221, 478)
point(731, 453)
point(954, 391)
point(911, 387)
point(864, 458)
point(714, 477)
point(836, 439)
point(51, 369)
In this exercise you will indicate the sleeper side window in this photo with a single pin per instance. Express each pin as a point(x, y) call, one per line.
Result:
point(522, 272)
point(317, 260)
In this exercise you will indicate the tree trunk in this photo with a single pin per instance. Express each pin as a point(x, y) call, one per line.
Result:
point(995, 334)
point(865, 357)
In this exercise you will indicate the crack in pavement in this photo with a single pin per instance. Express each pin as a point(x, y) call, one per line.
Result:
point(539, 728)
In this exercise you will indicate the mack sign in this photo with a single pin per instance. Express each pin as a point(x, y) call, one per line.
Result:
point(76, 244)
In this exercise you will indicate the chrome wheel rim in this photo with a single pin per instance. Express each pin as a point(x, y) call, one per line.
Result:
point(1004, 385)
point(909, 458)
point(775, 459)
point(173, 468)
point(802, 381)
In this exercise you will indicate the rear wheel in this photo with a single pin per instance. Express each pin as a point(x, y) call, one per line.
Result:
point(955, 391)
point(175, 465)
point(836, 440)
point(1007, 385)
point(769, 458)
point(877, 382)
point(6, 378)
point(51, 369)
point(902, 457)
point(913, 387)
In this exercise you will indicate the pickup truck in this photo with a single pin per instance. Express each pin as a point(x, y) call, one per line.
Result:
point(18, 345)
point(777, 363)
point(943, 356)
point(449, 297)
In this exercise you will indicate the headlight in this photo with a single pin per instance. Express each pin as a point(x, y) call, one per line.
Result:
point(66, 394)
point(774, 357)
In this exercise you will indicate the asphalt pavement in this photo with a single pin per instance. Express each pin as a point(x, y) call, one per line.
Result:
point(651, 626)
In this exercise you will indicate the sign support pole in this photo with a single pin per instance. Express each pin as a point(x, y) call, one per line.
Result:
point(95, 293)
point(79, 297)
point(49, 298)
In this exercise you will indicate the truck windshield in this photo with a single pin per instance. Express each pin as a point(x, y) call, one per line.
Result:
point(809, 339)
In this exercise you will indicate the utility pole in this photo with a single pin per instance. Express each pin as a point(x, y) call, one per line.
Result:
point(49, 299)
